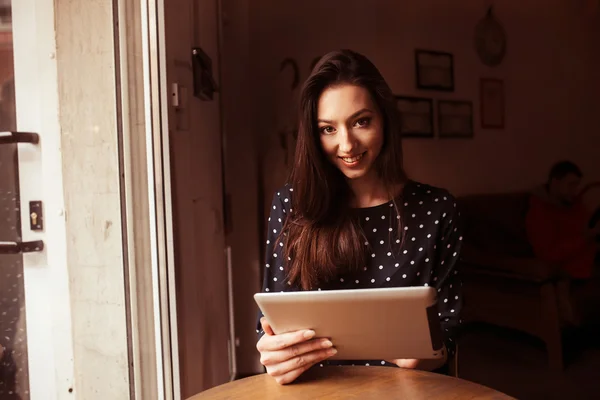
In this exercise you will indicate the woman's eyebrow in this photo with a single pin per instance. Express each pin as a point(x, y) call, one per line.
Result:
point(356, 114)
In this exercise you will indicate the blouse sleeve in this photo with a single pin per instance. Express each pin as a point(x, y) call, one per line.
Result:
point(274, 275)
point(446, 277)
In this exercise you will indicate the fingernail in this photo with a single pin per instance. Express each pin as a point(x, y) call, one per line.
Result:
point(332, 352)
point(326, 344)
point(309, 334)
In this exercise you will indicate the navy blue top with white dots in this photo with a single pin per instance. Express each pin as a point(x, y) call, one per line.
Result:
point(427, 256)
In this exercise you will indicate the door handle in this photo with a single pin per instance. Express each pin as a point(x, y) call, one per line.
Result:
point(21, 247)
point(19, 137)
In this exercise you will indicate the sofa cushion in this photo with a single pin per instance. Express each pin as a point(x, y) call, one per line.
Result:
point(523, 268)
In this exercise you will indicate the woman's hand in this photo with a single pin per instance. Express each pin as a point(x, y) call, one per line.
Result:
point(288, 355)
point(424, 365)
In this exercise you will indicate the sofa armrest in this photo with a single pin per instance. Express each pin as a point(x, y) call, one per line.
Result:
point(522, 268)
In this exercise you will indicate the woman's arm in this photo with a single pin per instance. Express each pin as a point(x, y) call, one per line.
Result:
point(446, 279)
point(285, 356)
point(274, 275)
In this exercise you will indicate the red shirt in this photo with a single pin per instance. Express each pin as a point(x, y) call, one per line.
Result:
point(556, 234)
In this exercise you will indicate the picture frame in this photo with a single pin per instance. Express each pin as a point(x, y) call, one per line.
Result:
point(455, 119)
point(434, 70)
point(492, 103)
point(416, 116)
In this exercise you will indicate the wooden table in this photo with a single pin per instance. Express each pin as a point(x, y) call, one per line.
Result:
point(354, 383)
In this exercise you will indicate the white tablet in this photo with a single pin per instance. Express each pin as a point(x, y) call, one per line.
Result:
point(363, 324)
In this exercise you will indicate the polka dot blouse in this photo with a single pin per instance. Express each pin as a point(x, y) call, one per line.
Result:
point(427, 256)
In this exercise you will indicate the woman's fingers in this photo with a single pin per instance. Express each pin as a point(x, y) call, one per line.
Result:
point(266, 326)
point(286, 356)
point(288, 371)
point(284, 340)
point(409, 363)
point(297, 350)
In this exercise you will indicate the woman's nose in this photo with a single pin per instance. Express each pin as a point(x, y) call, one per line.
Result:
point(347, 141)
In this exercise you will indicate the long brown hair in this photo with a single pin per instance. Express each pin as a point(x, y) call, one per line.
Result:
point(322, 237)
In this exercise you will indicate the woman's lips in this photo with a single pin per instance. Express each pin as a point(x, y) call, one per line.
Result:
point(353, 160)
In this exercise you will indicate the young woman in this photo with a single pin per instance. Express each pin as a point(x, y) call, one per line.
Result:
point(349, 218)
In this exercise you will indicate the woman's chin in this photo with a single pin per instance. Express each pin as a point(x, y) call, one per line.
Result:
point(353, 175)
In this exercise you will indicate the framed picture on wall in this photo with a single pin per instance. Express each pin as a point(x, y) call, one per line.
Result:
point(416, 116)
point(455, 119)
point(435, 70)
point(492, 103)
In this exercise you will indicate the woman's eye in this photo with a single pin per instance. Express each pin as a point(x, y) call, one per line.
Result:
point(363, 122)
point(326, 130)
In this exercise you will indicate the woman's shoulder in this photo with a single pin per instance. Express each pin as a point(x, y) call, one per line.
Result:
point(437, 199)
point(432, 206)
point(283, 197)
point(426, 192)
point(284, 192)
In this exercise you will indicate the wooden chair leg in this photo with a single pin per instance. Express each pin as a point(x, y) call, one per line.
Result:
point(551, 326)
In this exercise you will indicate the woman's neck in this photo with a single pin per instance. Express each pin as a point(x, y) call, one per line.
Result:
point(369, 191)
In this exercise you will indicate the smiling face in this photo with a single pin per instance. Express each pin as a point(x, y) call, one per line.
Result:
point(351, 130)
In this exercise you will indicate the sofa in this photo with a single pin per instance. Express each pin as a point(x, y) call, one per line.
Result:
point(503, 283)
